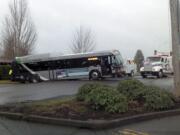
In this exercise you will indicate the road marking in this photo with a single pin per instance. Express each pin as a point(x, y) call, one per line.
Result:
point(136, 132)
point(130, 132)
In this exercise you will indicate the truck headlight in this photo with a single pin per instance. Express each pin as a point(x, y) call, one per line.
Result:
point(142, 69)
point(153, 69)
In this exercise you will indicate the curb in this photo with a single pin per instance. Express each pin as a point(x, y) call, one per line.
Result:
point(7, 82)
point(90, 124)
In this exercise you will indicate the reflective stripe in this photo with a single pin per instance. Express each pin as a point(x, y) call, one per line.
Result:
point(10, 72)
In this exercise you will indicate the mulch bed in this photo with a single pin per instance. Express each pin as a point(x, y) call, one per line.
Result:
point(73, 110)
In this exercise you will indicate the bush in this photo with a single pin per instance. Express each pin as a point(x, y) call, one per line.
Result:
point(152, 98)
point(133, 89)
point(4, 72)
point(157, 99)
point(85, 90)
point(108, 99)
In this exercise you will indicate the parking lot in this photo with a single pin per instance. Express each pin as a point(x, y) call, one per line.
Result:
point(10, 93)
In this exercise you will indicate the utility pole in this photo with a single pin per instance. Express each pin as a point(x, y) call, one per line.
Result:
point(175, 32)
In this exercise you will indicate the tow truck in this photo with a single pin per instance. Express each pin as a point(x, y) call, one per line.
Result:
point(130, 68)
point(159, 65)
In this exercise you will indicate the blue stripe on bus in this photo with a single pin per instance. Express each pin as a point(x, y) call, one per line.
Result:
point(73, 72)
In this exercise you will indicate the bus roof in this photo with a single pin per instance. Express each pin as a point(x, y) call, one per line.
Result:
point(59, 56)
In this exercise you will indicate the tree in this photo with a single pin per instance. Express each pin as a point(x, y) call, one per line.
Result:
point(19, 34)
point(83, 41)
point(139, 58)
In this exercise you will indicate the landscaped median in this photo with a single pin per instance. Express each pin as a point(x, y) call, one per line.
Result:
point(99, 106)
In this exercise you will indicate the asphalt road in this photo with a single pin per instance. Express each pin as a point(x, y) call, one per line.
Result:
point(165, 126)
point(24, 92)
point(10, 93)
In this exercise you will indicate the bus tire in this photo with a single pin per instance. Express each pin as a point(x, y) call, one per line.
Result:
point(22, 79)
point(34, 79)
point(94, 75)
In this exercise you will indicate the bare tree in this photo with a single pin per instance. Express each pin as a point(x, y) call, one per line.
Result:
point(83, 41)
point(19, 34)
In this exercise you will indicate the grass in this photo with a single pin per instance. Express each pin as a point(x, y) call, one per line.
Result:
point(56, 105)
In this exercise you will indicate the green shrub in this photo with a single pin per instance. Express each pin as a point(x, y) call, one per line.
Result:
point(4, 72)
point(132, 88)
point(85, 90)
point(157, 99)
point(108, 99)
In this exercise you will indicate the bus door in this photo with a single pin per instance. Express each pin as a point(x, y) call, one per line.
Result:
point(51, 74)
point(51, 71)
point(106, 65)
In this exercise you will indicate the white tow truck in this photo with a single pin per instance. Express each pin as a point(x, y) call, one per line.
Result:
point(159, 65)
point(130, 68)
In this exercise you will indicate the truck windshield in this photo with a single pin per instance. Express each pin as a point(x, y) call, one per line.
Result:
point(153, 59)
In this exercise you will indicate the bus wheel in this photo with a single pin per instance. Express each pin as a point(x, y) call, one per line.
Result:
point(22, 79)
point(94, 75)
point(34, 79)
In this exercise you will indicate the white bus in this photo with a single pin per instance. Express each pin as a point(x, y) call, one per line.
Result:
point(92, 65)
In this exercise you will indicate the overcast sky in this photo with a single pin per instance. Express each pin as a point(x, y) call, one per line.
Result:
point(126, 25)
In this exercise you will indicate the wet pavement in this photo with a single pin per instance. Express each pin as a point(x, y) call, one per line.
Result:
point(165, 126)
point(10, 93)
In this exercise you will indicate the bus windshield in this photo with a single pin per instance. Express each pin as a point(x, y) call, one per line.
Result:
point(119, 59)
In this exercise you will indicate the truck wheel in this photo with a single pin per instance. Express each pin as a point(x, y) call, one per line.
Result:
point(160, 74)
point(144, 76)
point(94, 75)
point(131, 74)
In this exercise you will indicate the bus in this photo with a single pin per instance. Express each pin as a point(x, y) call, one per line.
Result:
point(91, 65)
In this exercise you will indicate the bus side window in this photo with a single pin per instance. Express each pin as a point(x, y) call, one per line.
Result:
point(67, 64)
point(63, 64)
point(84, 62)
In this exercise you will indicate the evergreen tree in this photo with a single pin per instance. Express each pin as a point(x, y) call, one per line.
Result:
point(139, 58)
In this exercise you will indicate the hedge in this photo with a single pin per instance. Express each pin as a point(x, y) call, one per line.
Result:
point(131, 88)
point(103, 98)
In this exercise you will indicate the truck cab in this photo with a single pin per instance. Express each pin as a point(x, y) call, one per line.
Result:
point(157, 65)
